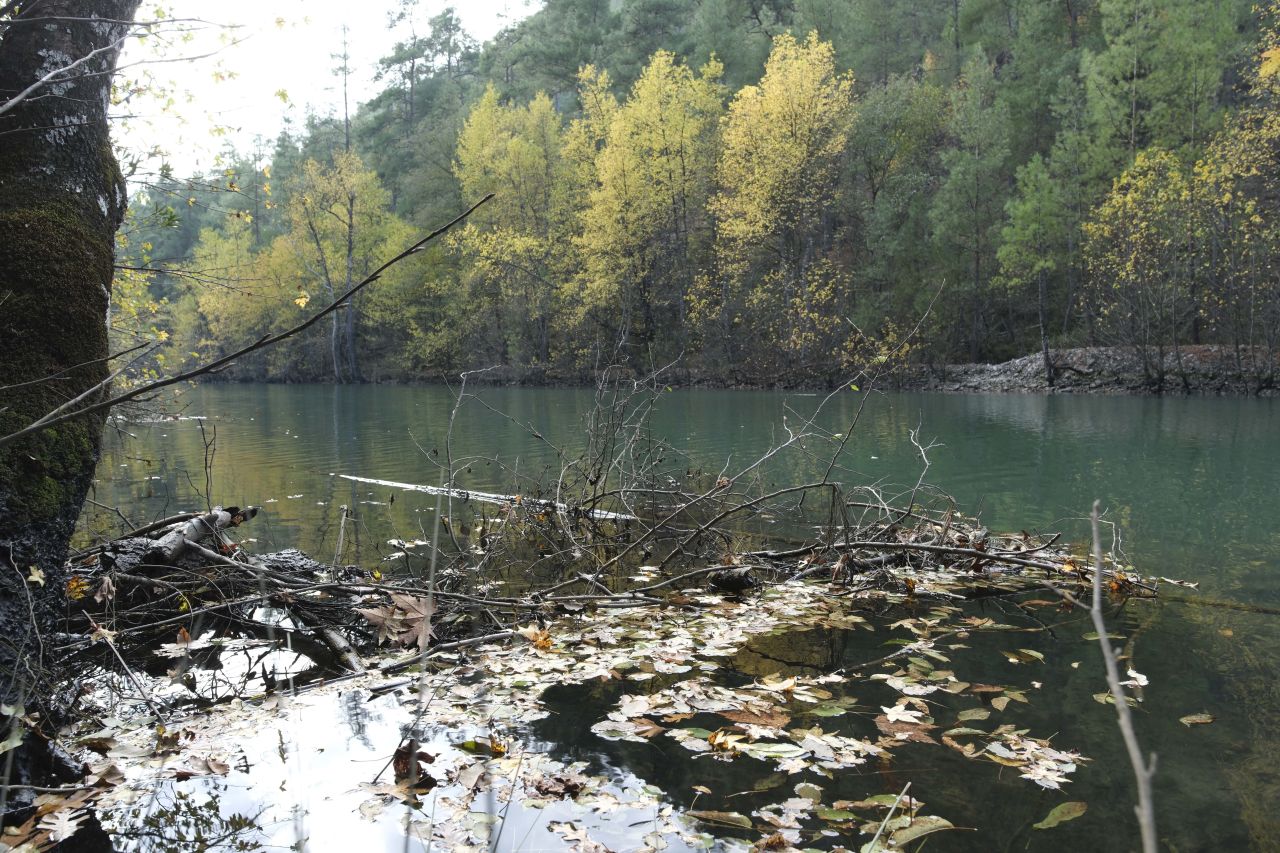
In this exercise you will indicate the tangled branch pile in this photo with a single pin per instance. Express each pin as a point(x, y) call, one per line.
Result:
point(523, 560)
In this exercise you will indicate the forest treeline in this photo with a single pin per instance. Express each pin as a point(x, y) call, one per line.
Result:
point(769, 191)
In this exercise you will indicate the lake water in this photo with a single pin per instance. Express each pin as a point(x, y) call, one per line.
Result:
point(1192, 487)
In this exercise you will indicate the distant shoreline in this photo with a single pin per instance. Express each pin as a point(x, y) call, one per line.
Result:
point(1201, 371)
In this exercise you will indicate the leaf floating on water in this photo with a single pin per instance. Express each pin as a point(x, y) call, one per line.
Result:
point(725, 740)
point(540, 638)
point(647, 728)
point(407, 620)
point(774, 717)
point(1041, 763)
point(920, 827)
point(900, 714)
point(469, 777)
point(578, 835)
point(1201, 719)
point(1136, 679)
point(904, 731)
point(1062, 813)
point(481, 746)
point(809, 791)
point(961, 731)
point(1024, 656)
point(62, 824)
point(722, 818)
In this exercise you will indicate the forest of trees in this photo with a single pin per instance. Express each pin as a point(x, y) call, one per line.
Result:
point(770, 191)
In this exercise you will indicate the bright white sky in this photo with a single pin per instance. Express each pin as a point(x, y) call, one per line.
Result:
point(283, 45)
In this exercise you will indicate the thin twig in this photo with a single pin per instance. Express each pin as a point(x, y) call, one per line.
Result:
point(887, 818)
point(1143, 770)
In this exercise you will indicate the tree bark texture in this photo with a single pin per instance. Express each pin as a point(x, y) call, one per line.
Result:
point(61, 200)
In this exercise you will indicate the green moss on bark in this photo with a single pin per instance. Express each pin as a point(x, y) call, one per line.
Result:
point(49, 256)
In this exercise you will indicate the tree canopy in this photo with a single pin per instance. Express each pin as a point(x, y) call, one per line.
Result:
point(760, 186)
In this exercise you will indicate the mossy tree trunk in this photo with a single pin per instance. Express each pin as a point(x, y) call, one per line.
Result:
point(61, 200)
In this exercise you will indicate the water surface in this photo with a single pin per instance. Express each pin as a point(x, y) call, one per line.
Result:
point(1191, 487)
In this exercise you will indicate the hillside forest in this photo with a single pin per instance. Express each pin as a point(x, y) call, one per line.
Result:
point(766, 192)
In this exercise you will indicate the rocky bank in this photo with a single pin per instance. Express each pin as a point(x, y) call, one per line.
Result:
point(1206, 370)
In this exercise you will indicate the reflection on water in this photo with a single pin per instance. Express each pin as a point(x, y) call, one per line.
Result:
point(1192, 487)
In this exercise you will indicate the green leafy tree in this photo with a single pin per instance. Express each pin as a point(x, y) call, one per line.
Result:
point(968, 211)
point(1034, 243)
point(893, 171)
point(1161, 77)
point(738, 33)
point(545, 51)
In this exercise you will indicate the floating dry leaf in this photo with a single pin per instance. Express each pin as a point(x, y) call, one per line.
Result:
point(1062, 813)
point(577, 835)
point(540, 638)
point(773, 717)
point(920, 827)
point(407, 620)
point(722, 818)
point(62, 824)
point(907, 732)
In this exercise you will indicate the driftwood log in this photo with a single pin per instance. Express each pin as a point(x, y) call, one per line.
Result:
point(212, 524)
point(140, 563)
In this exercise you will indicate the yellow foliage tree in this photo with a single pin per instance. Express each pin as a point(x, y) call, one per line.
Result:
point(778, 181)
point(1239, 197)
point(338, 216)
point(519, 247)
point(645, 226)
point(1139, 248)
point(241, 306)
point(338, 230)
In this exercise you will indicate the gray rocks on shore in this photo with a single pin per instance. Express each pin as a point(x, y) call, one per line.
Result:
point(1207, 370)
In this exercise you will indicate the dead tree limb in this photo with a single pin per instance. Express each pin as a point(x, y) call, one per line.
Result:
point(211, 524)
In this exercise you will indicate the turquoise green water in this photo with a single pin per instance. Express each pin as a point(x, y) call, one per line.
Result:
point(1192, 486)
